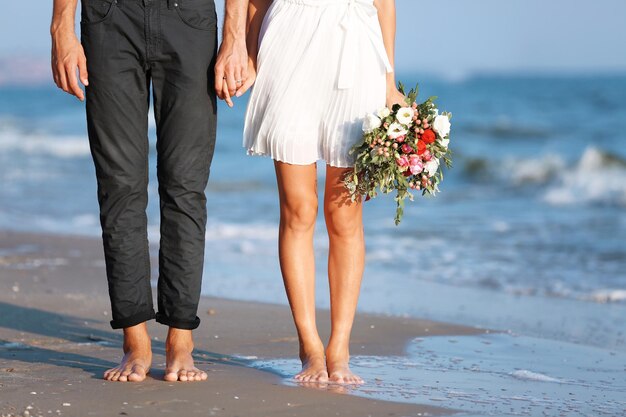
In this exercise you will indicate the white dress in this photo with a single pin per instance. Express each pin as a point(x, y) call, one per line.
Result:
point(321, 68)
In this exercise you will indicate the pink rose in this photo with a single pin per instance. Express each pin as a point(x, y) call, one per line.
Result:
point(415, 165)
point(406, 148)
point(402, 162)
point(400, 139)
point(427, 155)
point(416, 169)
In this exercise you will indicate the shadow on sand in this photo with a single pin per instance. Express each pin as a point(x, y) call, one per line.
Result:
point(77, 331)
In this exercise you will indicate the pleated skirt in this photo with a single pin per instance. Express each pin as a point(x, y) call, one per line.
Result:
point(321, 68)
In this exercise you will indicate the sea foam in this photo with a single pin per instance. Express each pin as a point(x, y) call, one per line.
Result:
point(533, 376)
point(598, 177)
point(39, 143)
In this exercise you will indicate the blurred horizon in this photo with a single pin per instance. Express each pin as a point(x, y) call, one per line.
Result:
point(490, 37)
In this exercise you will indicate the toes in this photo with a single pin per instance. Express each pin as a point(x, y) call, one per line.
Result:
point(323, 377)
point(137, 374)
point(199, 375)
point(185, 375)
point(171, 376)
point(310, 376)
point(109, 373)
point(124, 374)
point(136, 377)
point(338, 379)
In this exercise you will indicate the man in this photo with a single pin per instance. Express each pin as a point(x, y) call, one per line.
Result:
point(129, 47)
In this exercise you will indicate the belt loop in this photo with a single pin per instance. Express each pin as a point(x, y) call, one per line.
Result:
point(170, 4)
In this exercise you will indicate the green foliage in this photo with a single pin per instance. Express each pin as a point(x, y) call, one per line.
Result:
point(376, 169)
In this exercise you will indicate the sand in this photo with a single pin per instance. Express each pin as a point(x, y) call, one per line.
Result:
point(55, 343)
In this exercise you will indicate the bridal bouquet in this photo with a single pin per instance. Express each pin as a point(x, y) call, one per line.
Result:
point(402, 150)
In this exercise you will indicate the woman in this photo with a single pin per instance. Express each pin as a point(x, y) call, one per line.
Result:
point(320, 66)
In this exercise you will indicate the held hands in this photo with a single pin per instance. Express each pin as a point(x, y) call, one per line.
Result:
point(233, 70)
point(249, 81)
point(68, 58)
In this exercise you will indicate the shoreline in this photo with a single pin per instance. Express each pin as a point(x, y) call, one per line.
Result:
point(55, 341)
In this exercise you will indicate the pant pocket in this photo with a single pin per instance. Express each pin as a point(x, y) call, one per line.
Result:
point(96, 11)
point(198, 14)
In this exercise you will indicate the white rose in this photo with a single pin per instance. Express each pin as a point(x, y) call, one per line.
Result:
point(384, 112)
point(432, 166)
point(442, 125)
point(444, 143)
point(371, 122)
point(396, 130)
point(405, 115)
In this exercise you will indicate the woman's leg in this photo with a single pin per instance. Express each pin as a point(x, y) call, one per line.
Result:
point(344, 221)
point(297, 189)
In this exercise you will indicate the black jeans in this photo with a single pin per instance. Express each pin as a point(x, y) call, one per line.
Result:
point(169, 45)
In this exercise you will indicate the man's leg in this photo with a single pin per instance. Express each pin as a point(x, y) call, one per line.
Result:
point(117, 108)
point(185, 110)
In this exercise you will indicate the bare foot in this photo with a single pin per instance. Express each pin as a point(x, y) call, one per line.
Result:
point(337, 362)
point(137, 358)
point(313, 370)
point(178, 358)
point(313, 365)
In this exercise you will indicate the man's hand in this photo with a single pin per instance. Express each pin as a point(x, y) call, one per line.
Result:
point(68, 59)
point(231, 68)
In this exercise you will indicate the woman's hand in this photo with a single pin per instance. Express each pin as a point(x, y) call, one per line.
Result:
point(395, 97)
point(251, 78)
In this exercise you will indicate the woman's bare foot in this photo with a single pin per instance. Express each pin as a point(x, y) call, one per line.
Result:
point(313, 365)
point(179, 359)
point(313, 370)
point(137, 358)
point(337, 363)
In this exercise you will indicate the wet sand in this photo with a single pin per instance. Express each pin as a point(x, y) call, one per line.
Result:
point(55, 343)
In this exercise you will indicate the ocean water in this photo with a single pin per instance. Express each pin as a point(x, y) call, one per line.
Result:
point(489, 375)
point(528, 234)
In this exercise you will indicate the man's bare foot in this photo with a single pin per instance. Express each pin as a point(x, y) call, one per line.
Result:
point(179, 359)
point(313, 365)
point(137, 358)
point(337, 363)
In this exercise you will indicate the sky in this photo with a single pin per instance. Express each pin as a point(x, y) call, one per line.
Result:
point(449, 37)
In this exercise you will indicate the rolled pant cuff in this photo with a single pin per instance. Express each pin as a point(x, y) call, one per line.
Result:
point(133, 320)
point(177, 323)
